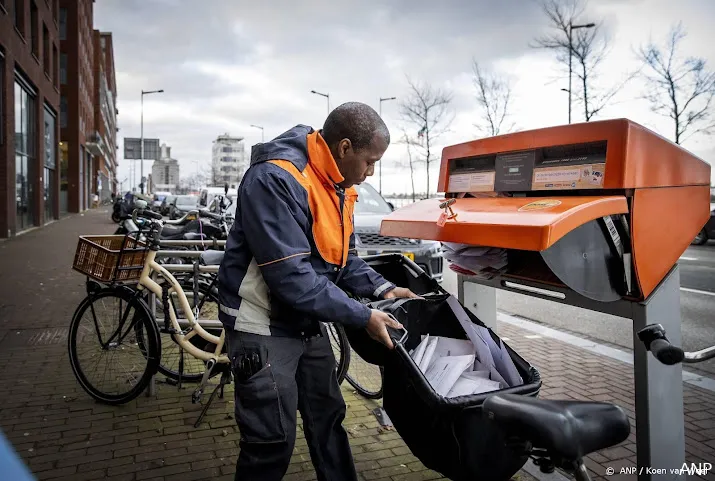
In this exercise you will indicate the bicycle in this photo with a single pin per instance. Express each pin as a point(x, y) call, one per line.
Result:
point(117, 261)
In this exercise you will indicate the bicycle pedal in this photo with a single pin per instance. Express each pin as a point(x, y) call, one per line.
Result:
point(170, 330)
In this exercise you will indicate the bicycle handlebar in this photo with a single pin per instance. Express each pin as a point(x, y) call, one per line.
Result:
point(653, 337)
point(666, 353)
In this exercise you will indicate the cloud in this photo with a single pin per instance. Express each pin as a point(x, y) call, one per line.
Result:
point(228, 64)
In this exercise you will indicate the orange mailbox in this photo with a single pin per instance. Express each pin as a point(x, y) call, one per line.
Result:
point(592, 215)
point(610, 206)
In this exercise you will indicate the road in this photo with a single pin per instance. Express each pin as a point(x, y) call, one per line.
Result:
point(697, 307)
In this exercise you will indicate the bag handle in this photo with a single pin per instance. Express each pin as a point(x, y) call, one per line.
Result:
point(397, 339)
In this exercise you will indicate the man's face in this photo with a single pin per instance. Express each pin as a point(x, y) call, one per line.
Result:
point(358, 166)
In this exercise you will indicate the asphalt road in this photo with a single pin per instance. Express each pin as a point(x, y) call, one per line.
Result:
point(697, 307)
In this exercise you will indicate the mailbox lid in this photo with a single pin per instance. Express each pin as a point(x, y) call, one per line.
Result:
point(524, 223)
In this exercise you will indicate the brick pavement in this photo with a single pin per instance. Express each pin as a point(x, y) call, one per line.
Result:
point(62, 434)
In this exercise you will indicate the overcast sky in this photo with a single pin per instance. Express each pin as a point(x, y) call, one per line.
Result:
point(228, 64)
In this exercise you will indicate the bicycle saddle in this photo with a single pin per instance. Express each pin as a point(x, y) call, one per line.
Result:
point(211, 258)
point(571, 429)
point(172, 232)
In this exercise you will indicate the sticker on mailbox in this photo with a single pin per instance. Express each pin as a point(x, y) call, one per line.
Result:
point(540, 204)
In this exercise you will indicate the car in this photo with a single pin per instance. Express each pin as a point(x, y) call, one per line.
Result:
point(370, 209)
point(182, 205)
point(708, 230)
point(166, 204)
point(157, 200)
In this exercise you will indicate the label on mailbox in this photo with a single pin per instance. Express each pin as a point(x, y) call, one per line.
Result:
point(514, 171)
point(471, 182)
point(588, 176)
point(540, 205)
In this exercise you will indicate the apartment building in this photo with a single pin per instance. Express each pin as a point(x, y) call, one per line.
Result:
point(29, 106)
point(228, 160)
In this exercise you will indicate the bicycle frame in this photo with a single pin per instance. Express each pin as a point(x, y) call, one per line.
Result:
point(145, 281)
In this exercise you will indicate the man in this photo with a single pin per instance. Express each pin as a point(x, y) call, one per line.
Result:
point(289, 258)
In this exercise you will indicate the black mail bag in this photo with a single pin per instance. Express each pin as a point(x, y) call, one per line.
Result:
point(448, 435)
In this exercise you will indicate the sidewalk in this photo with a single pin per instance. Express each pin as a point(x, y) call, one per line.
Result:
point(62, 434)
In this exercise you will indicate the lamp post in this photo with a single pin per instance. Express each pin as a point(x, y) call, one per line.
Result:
point(259, 127)
point(379, 175)
point(568, 92)
point(141, 148)
point(327, 96)
point(571, 29)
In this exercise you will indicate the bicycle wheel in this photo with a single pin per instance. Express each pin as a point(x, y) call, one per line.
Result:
point(366, 378)
point(171, 361)
point(112, 335)
point(341, 349)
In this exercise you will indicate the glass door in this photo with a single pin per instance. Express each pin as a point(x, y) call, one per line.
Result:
point(24, 156)
point(50, 184)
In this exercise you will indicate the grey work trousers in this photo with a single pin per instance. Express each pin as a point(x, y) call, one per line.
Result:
point(297, 374)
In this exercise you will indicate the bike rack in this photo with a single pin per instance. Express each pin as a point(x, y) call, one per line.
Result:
point(178, 268)
point(585, 214)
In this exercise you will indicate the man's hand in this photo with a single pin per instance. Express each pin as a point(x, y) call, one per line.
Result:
point(377, 327)
point(401, 292)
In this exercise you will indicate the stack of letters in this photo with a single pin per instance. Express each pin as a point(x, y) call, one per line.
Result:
point(458, 367)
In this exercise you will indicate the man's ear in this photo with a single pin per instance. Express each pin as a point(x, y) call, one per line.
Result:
point(343, 147)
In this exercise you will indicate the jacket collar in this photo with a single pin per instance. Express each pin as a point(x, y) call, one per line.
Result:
point(322, 160)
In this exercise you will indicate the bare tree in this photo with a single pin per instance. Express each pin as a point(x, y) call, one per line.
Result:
point(583, 45)
point(427, 109)
point(493, 97)
point(679, 88)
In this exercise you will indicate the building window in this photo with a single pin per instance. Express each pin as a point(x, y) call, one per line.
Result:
point(63, 24)
point(63, 111)
point(34, 35)
point(50, 179)
point(63, 68)
point(46, 57)
point(24, 156)
point(55, 65)
point(20, 16)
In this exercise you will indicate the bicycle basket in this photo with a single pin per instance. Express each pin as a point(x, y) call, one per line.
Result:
point(110, 258)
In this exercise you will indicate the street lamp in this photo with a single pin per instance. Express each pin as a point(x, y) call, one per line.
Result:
point(259, 127)
point(380, 166)
point(327, 96)
point(141, 148)
point(571, 29)
point(568, 92)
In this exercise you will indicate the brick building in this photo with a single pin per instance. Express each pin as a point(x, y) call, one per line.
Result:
point(79, 142)
point(29, 104)
point(105, 115)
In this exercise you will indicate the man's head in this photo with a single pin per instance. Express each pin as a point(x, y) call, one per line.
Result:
point(357, 138)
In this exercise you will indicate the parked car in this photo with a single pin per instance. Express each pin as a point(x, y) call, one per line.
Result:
point(166, 204)
point(708, 231)
point(157, 200)
point(370, 209)
point(182, 205)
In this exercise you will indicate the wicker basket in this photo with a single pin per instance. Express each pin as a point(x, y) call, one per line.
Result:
point(110, 258)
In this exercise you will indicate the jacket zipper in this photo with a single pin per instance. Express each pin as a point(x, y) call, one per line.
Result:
point(341, 197)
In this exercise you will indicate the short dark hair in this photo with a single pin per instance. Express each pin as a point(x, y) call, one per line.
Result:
point(355, 121)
